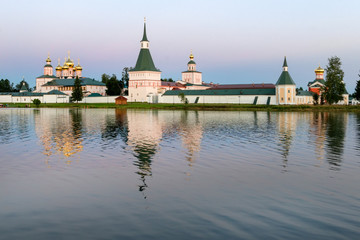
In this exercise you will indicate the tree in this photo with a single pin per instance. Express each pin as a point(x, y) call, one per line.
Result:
point(183, 99)
point(334, 86)
point(18, 86)
point(125, 77)
point(316, 99)
point(77, 94)
point(5, 86)
point(357, 90)
point(37, 102)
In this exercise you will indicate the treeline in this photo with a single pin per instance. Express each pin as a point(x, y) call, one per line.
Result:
point(114, 85)
point(7, 86)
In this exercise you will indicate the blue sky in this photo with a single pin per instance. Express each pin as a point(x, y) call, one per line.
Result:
point(233, 41)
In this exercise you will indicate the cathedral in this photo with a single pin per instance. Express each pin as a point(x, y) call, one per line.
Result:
point(65, 77)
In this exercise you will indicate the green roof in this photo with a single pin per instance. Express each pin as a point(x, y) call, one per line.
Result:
point(304, 93)
point(95, 95)
point(285, 63)
point(145, 62)
point(48, 65)
point(23, 88)
point(144, 36)
point(322, 81)
point(285, 79)
point(55, 92)
point(222, 92)
point(47, 76)
point(191, 62)
point(70, 82)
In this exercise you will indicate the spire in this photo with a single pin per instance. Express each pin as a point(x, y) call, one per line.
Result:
point(144, 36)
point(285, 78)
point(285, 63)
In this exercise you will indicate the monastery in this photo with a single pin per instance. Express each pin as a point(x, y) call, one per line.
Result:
point(145, 85)
point(65, 78)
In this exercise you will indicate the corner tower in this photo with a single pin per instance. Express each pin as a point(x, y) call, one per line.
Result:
point(285, 87)
point(144, 78)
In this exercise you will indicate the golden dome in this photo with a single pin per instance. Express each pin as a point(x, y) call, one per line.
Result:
point(65, 66)
point(70, 62)
point(78, 67)
point(58, 68)
point(319, 70)
point(191, 56)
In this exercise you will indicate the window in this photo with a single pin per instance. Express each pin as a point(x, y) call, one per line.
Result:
point(282, 99)
point(288, 99)
point(289, 91)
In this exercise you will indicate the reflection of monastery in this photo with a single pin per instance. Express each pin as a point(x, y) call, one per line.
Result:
point(145, 85)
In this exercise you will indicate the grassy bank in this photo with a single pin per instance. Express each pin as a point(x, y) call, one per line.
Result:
point(217, 107)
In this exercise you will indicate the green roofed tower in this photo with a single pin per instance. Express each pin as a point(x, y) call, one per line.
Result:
point(285, 87)
point(144, 78)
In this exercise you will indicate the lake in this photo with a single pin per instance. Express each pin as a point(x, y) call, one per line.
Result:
point(159, 174)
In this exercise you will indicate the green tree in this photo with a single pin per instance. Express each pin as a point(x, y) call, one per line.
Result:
point(6, 86)
point(105, 78)
point(183, 99)
point(77, 94)
point(37, 102)
point(357, 90)
point(125, 77)
point(114, 86)
point(334, 86)
point(316, 99)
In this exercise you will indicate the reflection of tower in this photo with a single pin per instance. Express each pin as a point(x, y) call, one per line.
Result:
point(144, 136)
point(287, 125)
point(191, 132)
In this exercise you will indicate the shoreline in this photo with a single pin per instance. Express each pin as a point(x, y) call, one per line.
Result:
point(204, 107)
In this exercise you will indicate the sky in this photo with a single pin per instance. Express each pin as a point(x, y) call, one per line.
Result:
point(233, 41)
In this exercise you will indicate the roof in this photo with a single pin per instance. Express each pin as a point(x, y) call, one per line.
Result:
point(321, 81)
point(304, 93)
point(144, 35)
point(285, 62)
point(48, 65)
point(243, 86)
point(47, 76)
point(145, 62)
point(95, 95)
point(222, 92)
point(55, 92)
point(121, 97)
point(70, 82)
point(285, 78)
point(23, 88)
point(191, 62)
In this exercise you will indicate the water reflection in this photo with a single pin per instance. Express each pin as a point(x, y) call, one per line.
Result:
point(318, 134)
point(286, 128)
point(358, 133)
point(60, 131)
point(335, 131)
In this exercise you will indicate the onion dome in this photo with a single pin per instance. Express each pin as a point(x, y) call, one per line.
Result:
point(319, 70)
point(48, 60)
point(191, 59)
point(65, 66)
point(78, 67)
point(58, 66)
point(69, 62)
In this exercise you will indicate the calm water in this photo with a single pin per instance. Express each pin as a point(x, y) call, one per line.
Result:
point(117, 174)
